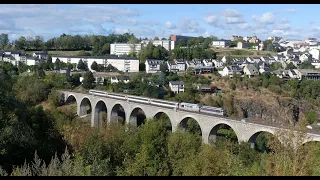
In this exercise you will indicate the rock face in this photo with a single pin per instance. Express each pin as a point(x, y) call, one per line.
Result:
point(277, 110)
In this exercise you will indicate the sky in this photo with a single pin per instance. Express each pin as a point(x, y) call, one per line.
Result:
point(290, 21)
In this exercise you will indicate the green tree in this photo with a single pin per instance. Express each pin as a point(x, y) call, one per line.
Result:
point(88, 81)
point(4, 40)
point(94, 66)
point(81, 65)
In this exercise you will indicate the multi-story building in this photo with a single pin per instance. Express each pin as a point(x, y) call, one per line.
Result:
point(164, 43)
point(235, 38)
point(177, 65)
point(153, 65)
point(15, 57)
point(221, 43)
point(175, 38)
point(124, 48)
point(176, 86)
point(125, 64)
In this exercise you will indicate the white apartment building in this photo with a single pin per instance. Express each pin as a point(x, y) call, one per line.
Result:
point(164, 43)
point(124, 48)
point(153, 65)
point(221, 43)
point(125, 64)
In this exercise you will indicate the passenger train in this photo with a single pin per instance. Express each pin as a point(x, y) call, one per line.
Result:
point(164, 103)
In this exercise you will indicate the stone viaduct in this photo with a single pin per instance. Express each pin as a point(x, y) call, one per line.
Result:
point(209, 124)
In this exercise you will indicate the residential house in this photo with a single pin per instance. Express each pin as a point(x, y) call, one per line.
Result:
point(205, 88)
point(194, 63)
point(235, 38)
point(176, 86)
point(293, 73)
point(315, 53)
point(172, 66)
point(153, 65)
point(308, 74)
point(254, 39)
point(295, 61)
point(230, 70)
point(41, 54)
point(255, 59)
point(305, 57)
point(181, 65)
point(281, 73)
point(316, 63)
point(250, 70)
point(116, 79)
point(203, 69)
point(224, 59)
point(280, 57)
point(264, 69)
point(242, 45)
point(207, 62)
point(217, 63)
point(32, 60)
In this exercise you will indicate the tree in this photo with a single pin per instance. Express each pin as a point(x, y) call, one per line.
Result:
point(290, 66)
point(164, 67)
point(94, 66)
point(88, 81)
point(57, 64)
point(4, 40)
point(49, 65)
point(21, 43)
point(81, 65)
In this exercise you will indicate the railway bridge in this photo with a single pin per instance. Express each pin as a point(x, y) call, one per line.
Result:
point(209, 124)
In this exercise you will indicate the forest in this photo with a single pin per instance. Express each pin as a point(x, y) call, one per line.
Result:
point(42, 136)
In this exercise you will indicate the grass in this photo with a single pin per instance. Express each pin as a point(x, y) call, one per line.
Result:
point(64, 53)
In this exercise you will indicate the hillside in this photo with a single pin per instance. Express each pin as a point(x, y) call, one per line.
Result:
point(241, 52)
point(64, 53)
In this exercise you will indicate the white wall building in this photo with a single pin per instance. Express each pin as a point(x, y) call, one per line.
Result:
point(315, 53)
point(221, 43)
point(153, 65)
point(124, 48)
point(164, 43)
point(176, 86)
point(128, 64)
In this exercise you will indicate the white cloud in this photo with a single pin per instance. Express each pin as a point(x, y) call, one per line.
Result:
point(233, 20)
point(282, 26)
point(266, 18)
point(45, 18)
point(284, 33)
point(244, 26)
point(187, 25)
point(211, 19)
point(230, 13)
point(169, 25)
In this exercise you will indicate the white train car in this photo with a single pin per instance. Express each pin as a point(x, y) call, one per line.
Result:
point(117, 96)
point(98, 93)
point(189, 106)
point(213, 110)
point(138, 99)
point(163, 103)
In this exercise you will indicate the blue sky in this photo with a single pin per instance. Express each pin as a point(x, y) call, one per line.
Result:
point(291, 21)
